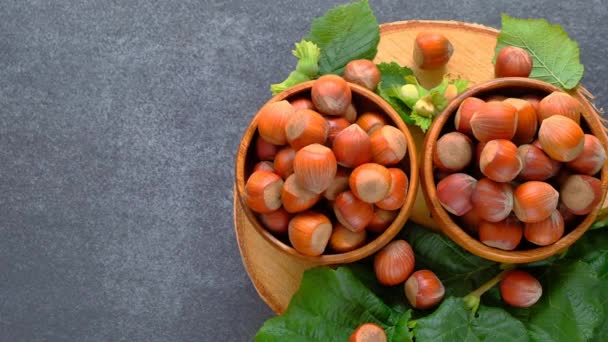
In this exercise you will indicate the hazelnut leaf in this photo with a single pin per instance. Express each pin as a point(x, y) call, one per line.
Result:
point(307, 68)
point(345, 33)
point(574, 305)
point(453, 321)
point(570, 308)
point(460, 271)
point(556, 56)
point(424, 122)
point(394, 76)
point(602, 219)
point(461, 84)
point(329, 306)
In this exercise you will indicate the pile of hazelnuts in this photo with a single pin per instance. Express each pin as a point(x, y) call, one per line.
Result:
point(518, 168)
point(324, 174)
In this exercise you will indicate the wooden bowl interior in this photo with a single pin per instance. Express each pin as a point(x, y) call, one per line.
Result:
point(444, 123)
point(364, 100)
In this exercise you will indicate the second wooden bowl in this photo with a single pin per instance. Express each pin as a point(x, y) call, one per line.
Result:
point(444, 123)
point(364, 100)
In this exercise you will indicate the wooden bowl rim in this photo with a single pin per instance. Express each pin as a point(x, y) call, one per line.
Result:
point(461, 237)
point(372, 246)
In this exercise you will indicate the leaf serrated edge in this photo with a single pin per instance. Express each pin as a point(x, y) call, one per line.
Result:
point(558, 81)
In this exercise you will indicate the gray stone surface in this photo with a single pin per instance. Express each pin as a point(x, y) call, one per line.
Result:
point(119, 121)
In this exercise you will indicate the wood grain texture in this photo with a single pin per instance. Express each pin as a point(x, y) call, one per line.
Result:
point(275, 275)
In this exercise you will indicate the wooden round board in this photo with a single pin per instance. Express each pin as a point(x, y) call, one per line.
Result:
point(276, 275)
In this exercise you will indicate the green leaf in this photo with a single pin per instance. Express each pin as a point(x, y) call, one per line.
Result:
point(602, 332)
point(394, 296)
point(556, 56)
point(329, 306)
point(600, 266)
point(461, 84)
point(575, 286)
point(439, 89)
point(460, 271)
point(591, 242)
point(345, 33)
point(452, 321)
point(545, 262)
point(424, 122)
point(308, 54)
point(602, 219)
point(393, 76)
point(295, 77)
point(573, 283)
point(599, 224)
point(422, 91)
point(439, 101)
point(401, 108)
point(437, 94)
point(332, 303)
point(598, 261)
point(402, 332)
point(307, 68)
point(570, 308)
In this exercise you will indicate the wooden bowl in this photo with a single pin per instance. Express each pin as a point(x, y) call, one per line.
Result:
point(444, 123)
point(364, 100)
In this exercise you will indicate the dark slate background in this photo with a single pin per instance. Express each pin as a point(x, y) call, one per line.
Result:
point(119, 122)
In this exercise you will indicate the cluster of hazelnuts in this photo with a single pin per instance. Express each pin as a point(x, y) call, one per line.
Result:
point(516, 168)
point(326, 175)
point(517, 288)
point(395, 264)
point(511, 168)
point(519, 150)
